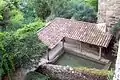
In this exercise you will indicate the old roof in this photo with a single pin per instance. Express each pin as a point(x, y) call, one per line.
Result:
point(86, 32)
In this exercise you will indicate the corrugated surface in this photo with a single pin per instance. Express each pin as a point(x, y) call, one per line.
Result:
point(78, 30)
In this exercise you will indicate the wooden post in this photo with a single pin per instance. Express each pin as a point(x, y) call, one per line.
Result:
point(47, 51)
point(81, 46)
point(63, 40)
point(100, 52)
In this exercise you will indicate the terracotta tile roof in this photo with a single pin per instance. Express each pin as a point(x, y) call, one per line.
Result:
point(86, 32)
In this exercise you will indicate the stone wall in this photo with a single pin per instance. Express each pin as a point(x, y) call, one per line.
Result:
point(58, 72)
point(117, 65)
point(102, 11)
point(108, 12)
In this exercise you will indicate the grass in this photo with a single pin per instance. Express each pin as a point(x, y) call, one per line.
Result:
point(94, 72)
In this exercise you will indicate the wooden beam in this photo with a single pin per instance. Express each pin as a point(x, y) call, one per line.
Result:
point(100, 52)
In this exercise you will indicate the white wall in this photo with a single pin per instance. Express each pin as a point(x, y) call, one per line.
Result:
point(117, 66)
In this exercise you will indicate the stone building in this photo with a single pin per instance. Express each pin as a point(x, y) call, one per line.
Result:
point(108, 12)
point(84, 35)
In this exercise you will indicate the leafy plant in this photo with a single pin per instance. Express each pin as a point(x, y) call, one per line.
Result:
point(111, 75)
point(27, 49)
point(28, 29)
point(2, 5)
point(16, 19)
point(27, 46)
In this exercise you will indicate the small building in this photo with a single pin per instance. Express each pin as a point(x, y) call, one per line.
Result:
point(85, 36)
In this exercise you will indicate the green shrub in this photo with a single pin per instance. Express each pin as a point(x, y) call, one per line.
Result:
point(6, 58)
point(28, 29)
point(95, 72)
point(111, 75)
point(16, 19)
point(27, 47)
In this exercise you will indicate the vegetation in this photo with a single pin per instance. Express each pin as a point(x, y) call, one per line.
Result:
point(18, 47)
point(92, 3)
point(75, 9)
point(95, 72)
point(111, 75)
point(19, 44)
point(116, 33)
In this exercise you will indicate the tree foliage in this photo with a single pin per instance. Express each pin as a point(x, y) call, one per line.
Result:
point(6, 57)
point(42, 8)
point(69, 9)
point(28, 46)
point(16, 19)
point(84, 13)
point(21, 47)
point(10, 16)
point(93, 3)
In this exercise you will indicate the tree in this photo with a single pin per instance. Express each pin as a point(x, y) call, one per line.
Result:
point(27, 46)
point(49, 9)
point(74, 10)
point(27, 7)
point(85, 13)
point(10, 15)
point(42, 8)
point(21, 48)
point(93, 3)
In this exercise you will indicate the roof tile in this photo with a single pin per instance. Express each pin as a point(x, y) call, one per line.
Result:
point(87, 32)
